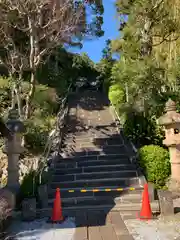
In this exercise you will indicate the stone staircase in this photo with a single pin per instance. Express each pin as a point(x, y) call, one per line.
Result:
point(95, 170)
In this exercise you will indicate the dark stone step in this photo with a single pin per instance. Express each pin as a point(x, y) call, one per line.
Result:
point(105, 162)
point(116, 197)
point(95, 168)
point(94, 157)
point(78, 193)
point(96, 175)
point(92, 144)
point(94, 201)
point(96, 183)
point(75, 210)
point(91, 131)
point(74, 151)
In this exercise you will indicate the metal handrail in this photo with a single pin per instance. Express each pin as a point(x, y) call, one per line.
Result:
point(43, 162)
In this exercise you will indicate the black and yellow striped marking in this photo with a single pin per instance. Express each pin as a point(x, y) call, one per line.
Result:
point(103, 190)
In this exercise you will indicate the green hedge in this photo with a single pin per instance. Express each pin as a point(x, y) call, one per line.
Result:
point(154, 160)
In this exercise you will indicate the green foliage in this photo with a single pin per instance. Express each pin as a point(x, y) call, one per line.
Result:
point(155, 162)
point(104, 67)
point(106, 85)
point(116, 95)
point(142, 130)
point(29, 185)
point(45, 98)
point(5, 91)
point(37, 132)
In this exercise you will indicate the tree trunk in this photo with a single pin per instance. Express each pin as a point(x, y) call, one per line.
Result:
point(32, 58)
point(127, 92)
point(146, 38)
point(13, 96)
point(19, 103)
point(30, 96)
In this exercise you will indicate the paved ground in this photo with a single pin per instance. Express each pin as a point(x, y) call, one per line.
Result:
point(91, 226)
point(99, 226)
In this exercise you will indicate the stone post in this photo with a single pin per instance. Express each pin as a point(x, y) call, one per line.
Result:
point(13, 149)
point(171, 123)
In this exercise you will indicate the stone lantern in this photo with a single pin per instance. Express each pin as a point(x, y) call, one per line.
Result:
point(171, 123)
point(13, 148)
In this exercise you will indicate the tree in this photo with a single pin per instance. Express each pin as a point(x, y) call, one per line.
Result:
point(148, 25)
point(148, 22)
point(14, 58)
point(48, 24)
point(105, 65)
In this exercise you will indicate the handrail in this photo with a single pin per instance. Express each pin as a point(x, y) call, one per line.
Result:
point(117, 115)
point(43, 162)
point(135, 156)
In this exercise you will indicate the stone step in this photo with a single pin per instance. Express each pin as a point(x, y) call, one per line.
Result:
point(89, 145)
point(81, 137)
point(95, 157)
point(97, 183)
point(82, 201)
point(93, 175)
point(71, 152)
point(96, 168)
point(91, 163)
point(121, 207)
point(125, 193)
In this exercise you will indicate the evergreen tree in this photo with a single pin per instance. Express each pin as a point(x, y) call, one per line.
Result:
point(149, 24)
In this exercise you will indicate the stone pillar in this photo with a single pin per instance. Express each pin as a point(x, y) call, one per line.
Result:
point(13, 148)
point(171, 123)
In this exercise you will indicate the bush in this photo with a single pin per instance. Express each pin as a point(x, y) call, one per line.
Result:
point(116, 95)
point(154, 160)
point(46, 99)
point(142, 130)
point(37, 132)
point(36, 137)
point(29, 185)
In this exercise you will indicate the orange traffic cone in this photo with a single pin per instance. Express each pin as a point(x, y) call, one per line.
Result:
point(57, 208)
point(145, 213)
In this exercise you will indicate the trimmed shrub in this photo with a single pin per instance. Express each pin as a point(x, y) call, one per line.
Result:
point(154, 160)
point(116, 95)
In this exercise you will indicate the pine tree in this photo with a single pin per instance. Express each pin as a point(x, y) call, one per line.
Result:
point(149, 24)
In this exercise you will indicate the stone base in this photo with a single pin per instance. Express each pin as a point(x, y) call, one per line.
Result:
point(174, 186)
point(29, 209)
point(166, 202)
point(43, 196)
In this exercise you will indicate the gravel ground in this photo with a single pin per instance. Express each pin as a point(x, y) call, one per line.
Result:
point(161, 229)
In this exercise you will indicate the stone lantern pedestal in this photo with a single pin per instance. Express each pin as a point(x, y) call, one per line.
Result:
point(171, 123)
point(13, 149)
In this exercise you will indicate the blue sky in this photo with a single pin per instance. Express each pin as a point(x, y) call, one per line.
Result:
point(94, 47)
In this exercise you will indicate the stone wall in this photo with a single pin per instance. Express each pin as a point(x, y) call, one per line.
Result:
point(27, 163)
